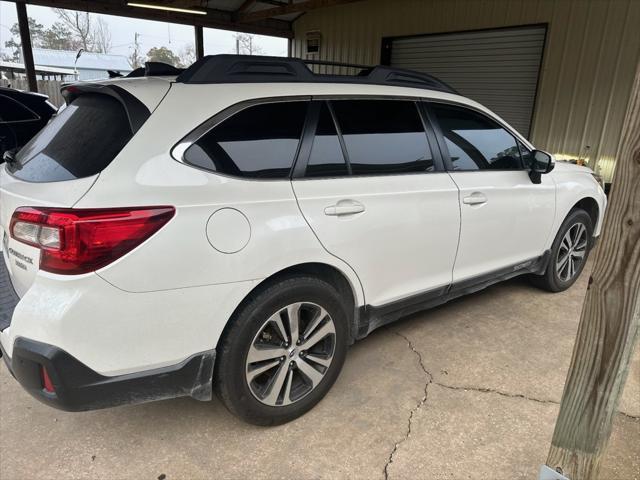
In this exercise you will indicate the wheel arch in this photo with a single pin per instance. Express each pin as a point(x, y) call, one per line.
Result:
point(329, 273)
point(589, 205)
point(568, 201)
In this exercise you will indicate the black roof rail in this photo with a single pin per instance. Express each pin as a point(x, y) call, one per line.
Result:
point(229, 68)
point(136, 72)
point(159, 69)
point(155, 69)
point(409, 78)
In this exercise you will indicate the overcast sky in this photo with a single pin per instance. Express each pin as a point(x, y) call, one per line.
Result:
point(152, 34)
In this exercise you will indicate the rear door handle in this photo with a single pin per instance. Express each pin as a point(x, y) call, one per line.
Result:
point(476, 198)
point(344, 207)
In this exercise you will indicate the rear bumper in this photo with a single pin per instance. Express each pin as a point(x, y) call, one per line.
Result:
point(79, 388)
point(8, 297)
point(114, 332)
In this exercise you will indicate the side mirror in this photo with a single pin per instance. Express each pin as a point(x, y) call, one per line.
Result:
point(541, 162)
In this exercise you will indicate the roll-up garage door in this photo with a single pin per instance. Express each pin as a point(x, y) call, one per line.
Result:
point(498, 68)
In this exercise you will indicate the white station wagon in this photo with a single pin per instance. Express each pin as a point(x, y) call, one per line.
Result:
point(235, 227)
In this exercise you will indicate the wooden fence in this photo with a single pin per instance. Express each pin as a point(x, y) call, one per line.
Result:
point(51, 88)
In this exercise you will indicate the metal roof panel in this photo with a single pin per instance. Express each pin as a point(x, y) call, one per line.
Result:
point(88, 60)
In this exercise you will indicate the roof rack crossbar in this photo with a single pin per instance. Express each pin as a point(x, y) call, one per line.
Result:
point(257, 69)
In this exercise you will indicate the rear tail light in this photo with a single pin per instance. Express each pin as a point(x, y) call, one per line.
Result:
point(74, 241)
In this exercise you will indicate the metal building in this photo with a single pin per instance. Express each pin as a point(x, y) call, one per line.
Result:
point(89, 66)
point(560, 71)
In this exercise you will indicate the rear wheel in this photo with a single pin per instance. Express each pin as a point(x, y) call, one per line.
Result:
point(283, 351)
point(569, 253)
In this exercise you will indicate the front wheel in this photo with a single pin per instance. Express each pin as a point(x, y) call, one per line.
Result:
point(283, 351)
point(569, 253)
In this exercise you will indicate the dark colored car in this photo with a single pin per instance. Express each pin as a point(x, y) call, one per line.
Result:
point(22, 115)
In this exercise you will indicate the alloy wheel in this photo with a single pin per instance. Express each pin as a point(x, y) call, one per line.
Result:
point(572, 252)
point(290, 354)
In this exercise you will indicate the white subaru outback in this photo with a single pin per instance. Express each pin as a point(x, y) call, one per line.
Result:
point(237, 226)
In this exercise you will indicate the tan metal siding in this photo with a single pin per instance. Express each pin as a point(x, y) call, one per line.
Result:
point(498, 67)
point(592, 49)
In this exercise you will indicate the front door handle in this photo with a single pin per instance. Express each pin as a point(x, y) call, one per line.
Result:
point(344, 207)
point(476, 198)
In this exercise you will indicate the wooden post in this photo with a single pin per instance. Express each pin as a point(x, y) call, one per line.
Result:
point(199, 42)
point(609, 323)
point(27, 52)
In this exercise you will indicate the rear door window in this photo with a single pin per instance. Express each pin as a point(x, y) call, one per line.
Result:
point(79, 142)
point(326, 158)
point(383, 136)
point(260, 141)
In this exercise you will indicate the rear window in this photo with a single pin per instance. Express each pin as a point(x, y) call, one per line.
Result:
point(79, 142)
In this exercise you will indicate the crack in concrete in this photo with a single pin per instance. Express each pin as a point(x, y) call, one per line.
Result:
point(430, 380)
point(423, 400)
point(628, 415)
point(498, 392)
point(516, 395)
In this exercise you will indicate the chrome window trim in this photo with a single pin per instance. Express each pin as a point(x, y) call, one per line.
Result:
point(178, 150)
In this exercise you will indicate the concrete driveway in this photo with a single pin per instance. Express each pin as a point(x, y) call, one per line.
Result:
point(468, 390)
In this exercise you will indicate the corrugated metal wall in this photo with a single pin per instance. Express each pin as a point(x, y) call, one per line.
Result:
point(592, 49)
point(497, 67)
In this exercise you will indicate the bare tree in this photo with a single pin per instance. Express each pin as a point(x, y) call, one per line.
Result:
point(80, 25)
point(246, 44)
point(187, 55)
point(86, 31)
point(102, 36)
point(135, 58)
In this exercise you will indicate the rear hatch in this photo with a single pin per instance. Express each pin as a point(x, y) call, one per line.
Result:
point(61, 163)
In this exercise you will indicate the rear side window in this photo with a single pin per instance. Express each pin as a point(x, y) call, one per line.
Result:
point(383, 136)
point(258, 142)
point(79, 142)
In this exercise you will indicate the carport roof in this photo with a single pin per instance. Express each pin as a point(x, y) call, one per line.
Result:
point(266, 17)
point(40, 69)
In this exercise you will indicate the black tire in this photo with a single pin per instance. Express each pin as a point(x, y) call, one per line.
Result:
point(230, 377)
point(552, 280)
